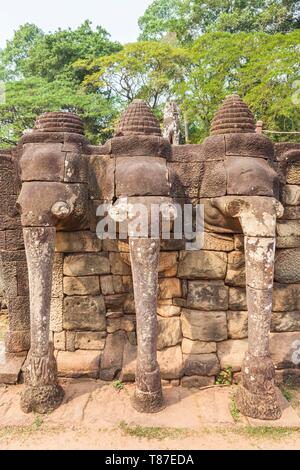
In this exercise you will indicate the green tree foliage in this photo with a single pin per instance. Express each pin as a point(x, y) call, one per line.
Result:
point(191, 18)
point(147, 70)
point(17, 50)
point(262, 68)
point(84, 72)
point(39, 75)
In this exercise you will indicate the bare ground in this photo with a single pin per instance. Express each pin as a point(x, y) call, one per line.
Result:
point(97, 415)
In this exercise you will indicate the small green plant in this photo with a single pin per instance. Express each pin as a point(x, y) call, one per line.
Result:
point(37, 423)
point(225, 377)
point(272, 432)
point(286, 393)
point(234, 411)
point(118, 384)
point(151, 432)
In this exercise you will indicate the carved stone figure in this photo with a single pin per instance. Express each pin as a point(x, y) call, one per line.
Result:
point(143, 307)
point(146, 177)
point(53, 188)
point(252, 189)
point(172, 123)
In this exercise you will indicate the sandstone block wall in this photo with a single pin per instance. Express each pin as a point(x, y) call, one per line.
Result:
point(13, 267)
point(202, 312)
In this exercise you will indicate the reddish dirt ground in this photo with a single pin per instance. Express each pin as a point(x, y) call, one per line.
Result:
point(95, 415)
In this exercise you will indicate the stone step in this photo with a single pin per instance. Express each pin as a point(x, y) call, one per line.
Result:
point(10, 366)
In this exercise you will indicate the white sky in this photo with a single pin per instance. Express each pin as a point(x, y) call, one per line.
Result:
point(118, 17)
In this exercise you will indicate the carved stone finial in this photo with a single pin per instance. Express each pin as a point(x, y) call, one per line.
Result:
point(233, 117)
point(138, 119)
point(59, 122)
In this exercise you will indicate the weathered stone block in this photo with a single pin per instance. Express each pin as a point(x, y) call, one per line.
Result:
point(90, 340)
point(129, 304)
point(22, 279)
point(249, 145)
point(236, 274)
point(121, 323)
point(85, 285)
point(218, 242)
point(70, 340)
point(291, 213)
point(213, 183)
point(19, 315)
point(170, 363)
point(59, 341)
point(288, 228)
point(17, 341)
point(115, 304)
point(106, 283)
point(202, 265)
point(287, 266)
point(84, 313)
point(293, 173)
point(204, 326)
point(198, 347)
point(129, 362)
point(76, 194)
point(102, 177)
point(9, 277)
point(251, 177)
point(285, 349)
point(14, 240)
point(78, 364)
point(213, 148)
point(288, 242)
point(239, 242)
point(169, 288)
point(197, 381)
point(169, 332)
point(187, 153)
point(141, 176)
point(137, 145)
point(88, 264)
point(10, 368)
point(112, 358)
point(237, 298)
point(56, 314)
point(237, 323)
point(2, 240)
point(166, 309)
point(76, 168)
point(118, 286)
point(231, 353)
point(285, 321)
point(168, 264)
point(75, 242)
point(286, 297)
point(118, 265)
point(185, 178)
point(42, 162)
point(201, 364)
point(211, 295)
point(292, 195)
point(57, 276)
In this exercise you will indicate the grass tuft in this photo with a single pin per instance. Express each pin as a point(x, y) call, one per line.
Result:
point(151, 432)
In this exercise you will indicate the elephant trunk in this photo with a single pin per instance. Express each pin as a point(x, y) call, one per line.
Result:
point(144, 254)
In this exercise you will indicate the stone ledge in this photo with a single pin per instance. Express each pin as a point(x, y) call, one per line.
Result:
point(10, 368)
